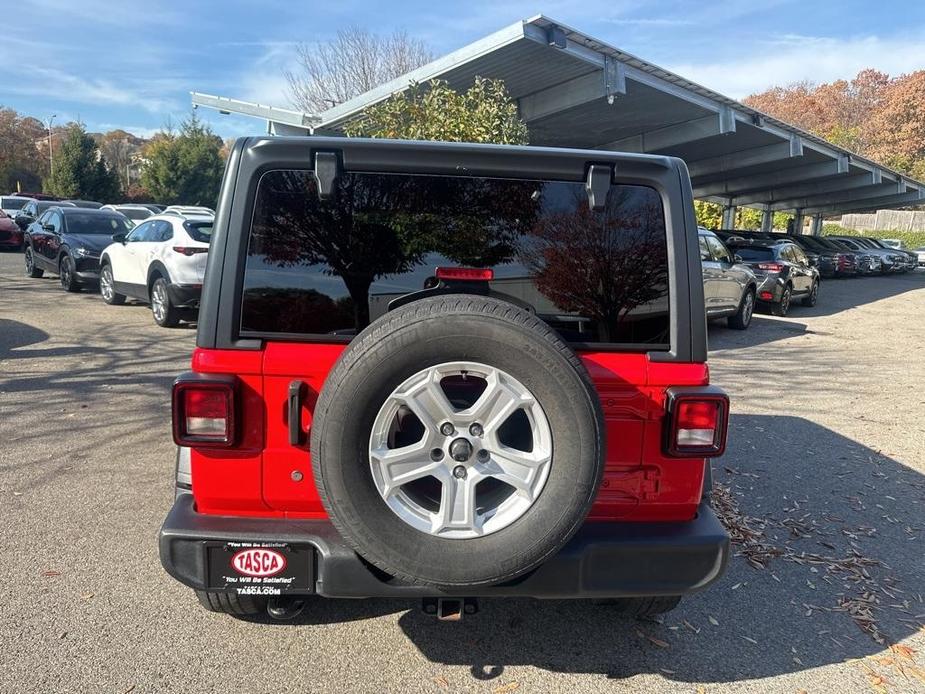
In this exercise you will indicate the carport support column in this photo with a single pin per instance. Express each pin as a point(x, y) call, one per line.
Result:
point(816, 228)
point(767, 221)
point(729, 217)
point(797, 222)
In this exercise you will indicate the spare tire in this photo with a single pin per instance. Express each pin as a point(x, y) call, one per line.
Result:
point(457, 442)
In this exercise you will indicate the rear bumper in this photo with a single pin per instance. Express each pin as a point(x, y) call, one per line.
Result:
point(603, 560)
point(184, 295)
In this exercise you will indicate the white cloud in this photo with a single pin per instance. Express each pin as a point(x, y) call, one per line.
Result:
point(791, 58)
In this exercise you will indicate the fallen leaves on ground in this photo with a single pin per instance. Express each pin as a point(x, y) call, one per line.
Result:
point(750, 536)
point(651, 639)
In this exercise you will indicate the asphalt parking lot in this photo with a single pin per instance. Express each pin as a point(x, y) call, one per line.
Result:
point(823, 484)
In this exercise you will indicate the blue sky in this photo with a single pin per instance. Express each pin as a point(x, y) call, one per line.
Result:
point(130, 64)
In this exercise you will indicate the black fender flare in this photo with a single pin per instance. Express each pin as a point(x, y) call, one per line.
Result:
point(156, 269)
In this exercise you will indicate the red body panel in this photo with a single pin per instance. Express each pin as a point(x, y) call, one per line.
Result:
point(265, 476)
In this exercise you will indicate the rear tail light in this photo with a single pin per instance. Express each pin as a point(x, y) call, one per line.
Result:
point(464, 273)
point(204, 410)
point(771, 267)
point(697, 419)
point(766, 296)
point(190, 250)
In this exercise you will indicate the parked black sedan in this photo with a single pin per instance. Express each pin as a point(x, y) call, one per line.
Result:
point(783, 273)
point(68, 241)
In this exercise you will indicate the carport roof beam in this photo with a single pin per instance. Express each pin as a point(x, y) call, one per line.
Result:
point(827, 185)
point(843, 196)
point(916, 197)
point(672, 135)
point(755, 156)
point(744, 184)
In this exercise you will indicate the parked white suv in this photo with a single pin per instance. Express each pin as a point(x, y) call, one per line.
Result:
point(161, 262)
point(136, 213)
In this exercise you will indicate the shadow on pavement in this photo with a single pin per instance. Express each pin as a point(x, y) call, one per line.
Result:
point(839, 528)
point(15, 335)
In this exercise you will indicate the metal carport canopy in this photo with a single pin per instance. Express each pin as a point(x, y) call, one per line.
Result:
point(576, 91)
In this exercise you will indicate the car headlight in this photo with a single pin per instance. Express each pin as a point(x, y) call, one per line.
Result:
point(85, 253)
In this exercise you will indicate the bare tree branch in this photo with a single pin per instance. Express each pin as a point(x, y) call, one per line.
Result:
point(353, 62)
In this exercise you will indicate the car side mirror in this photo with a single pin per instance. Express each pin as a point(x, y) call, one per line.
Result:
point(119, 238)
point(737, 258)
point(48, 227)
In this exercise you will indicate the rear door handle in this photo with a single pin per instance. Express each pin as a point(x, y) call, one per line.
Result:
point(295, 412)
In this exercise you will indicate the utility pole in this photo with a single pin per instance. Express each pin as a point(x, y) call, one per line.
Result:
point(51, 156)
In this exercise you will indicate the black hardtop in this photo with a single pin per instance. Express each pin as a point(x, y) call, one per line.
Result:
point(329, 157)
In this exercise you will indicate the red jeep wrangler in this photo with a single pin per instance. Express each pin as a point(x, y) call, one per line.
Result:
point(447, 371)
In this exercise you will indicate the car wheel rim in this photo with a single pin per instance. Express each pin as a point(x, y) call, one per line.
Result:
point(460, 450)
point(106, 284)
point(28, 260)
point(785, 302)
point(159, 302)
point(65, 274)
point(748, 308)
point(815, 293)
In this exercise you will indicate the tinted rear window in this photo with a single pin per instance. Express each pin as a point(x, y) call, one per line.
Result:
point(134, 213)
point(749, 253)
point(88, 223)
point(199, 231)
point(13, 203)
point(327, 268)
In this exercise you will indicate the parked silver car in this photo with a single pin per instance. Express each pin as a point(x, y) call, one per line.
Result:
point(729, 287)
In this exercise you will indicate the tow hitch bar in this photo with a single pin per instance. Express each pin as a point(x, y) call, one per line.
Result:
point(449, 609)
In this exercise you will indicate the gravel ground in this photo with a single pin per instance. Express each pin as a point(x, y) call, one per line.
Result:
point(823, 483)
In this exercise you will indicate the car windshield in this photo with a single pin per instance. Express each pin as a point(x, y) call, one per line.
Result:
point(12, 203)
point(199, 231)
point(749, 253)
point(135, 213)
point(96, 224)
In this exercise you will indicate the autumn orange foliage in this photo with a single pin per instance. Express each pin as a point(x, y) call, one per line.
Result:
point(875, 115)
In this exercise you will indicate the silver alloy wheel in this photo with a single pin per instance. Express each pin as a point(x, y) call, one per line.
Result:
point(748, 308)
point(30, 262)
point(159, 302)
point(785, 302)
point(461, 448)
point(106, 283)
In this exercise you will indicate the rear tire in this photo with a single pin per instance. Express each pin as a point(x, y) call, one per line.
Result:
point(107, 287)
point(782, 307)
point(641, 607)
point(813, 296)
point(31, 270)
point(165, 313)
point(743, 317)
point(232, 603)
point(67, 273)
point(436, 333)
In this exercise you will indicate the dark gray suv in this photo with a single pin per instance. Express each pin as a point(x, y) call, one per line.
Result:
point(729, 287)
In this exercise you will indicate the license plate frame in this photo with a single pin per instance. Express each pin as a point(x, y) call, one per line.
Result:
point(297, 576)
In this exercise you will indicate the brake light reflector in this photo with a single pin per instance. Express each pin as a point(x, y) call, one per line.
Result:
point(204, 411)
point(766, 296)
point(465, 273)
point(771, 267)
point(696, 422)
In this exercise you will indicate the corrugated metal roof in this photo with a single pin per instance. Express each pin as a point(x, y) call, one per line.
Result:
point(562, 78)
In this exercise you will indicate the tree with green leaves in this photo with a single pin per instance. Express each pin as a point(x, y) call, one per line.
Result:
point(386, 225)
point(184, 167)
point(434, 111)
point(81, 170)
